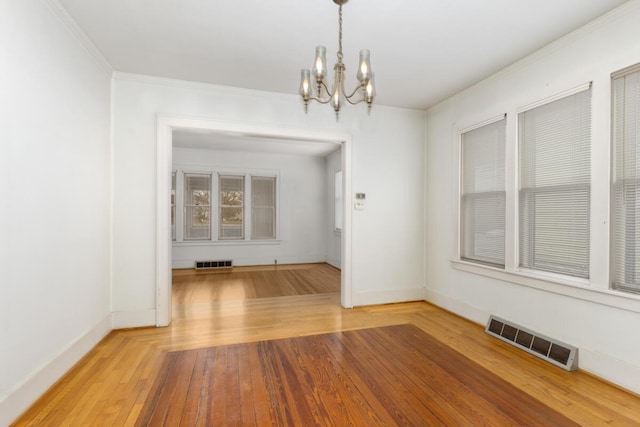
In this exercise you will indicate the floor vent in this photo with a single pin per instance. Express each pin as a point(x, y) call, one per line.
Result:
point(214, 265)
point(551, 350)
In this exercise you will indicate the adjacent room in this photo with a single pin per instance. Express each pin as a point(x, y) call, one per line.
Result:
point(199, 228)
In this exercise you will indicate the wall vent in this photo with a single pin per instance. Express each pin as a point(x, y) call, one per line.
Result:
point(549, 349)
point(213, 265)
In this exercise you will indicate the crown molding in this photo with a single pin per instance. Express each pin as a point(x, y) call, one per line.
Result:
point(198, 86)
point(72, 26)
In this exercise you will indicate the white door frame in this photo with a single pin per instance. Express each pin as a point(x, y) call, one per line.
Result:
point(166, 125)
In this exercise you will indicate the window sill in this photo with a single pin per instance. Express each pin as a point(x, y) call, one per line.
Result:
point(578, 288)
point(225, 243)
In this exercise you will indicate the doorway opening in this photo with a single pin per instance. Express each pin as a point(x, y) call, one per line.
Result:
point(310, 138)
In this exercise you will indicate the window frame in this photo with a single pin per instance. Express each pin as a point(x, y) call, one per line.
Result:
point(215, 240)
point(186, 206)
point(596, 289)
point(338, 201)
point(242, 206)
point(526, 194)
point(173, 202)
point(631, 283)
point(272, 206)
point(462, 196)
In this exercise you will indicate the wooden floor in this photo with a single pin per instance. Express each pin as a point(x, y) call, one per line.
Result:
point(111, 385)
point(338, 379)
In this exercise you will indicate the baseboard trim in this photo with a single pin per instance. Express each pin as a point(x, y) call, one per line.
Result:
point(24, 395)
point(251, 261)
point(334, 262)
point(133, 319)
point(618, 372)
point(388, 296)
point(457, 307)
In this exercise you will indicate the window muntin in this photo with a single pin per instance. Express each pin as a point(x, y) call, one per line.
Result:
point(197, 206)
point(626, 180)
point(482, 204)
point(555, 186)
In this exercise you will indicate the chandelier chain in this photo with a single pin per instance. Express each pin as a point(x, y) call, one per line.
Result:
point(340, 34)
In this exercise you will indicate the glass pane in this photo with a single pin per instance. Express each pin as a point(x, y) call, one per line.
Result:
point(197, 199)
point(173, 188)
point(231, 215)
point(201, 197)
point(200, 216)
point(482, 210)
point(626, 135)
point(231, 198)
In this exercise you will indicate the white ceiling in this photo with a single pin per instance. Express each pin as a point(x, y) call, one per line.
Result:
point(422, 51)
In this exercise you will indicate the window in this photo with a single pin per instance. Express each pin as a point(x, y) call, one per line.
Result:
point(173, 206)
point(197, 206)
point(231, 214)
point(482, 205)
point(626, 180)
point(263, 207)
point(239, 207)
point(338, 201)
point(555, 191)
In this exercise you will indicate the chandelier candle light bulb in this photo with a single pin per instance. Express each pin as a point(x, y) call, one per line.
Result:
point(320, 64)
point(365, 91)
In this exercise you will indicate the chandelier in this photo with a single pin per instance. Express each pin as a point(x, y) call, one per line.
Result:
point(365, 91)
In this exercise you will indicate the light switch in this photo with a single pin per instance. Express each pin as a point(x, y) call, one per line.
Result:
point(358, 205)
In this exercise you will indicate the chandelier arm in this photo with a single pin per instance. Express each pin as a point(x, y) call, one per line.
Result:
point(355, 102)
point(360, 86)
point(321, 101)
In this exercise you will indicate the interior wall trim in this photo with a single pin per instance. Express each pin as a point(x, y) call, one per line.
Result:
point(24, 395)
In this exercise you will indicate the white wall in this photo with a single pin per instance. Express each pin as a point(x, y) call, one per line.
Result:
point(334, 238)
point(55, 210)
point(387, 165)
point(602, 323)
point(301, 215)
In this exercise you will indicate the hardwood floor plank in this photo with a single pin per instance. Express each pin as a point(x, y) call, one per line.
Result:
point(442, 413)
point(415, 379)
point(116, 379)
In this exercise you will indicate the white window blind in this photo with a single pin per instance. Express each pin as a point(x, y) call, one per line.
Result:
point(626, 180)
point(231, 207)
point(482, 204)
point(197, 206)
point(263, 207)
point(555, 190)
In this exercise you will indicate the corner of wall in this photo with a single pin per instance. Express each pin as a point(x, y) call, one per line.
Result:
point(70, 24)
point(23, 396)
point(133, 319)
point(388, 296)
